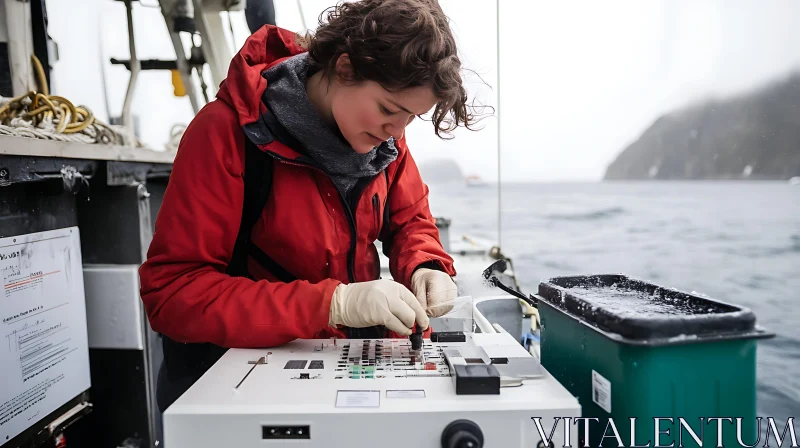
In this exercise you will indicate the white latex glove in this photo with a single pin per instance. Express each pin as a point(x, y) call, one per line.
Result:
point(435, 291)
point(378, 302)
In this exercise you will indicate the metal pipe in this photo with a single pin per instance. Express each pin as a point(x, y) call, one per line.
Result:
point(16, 29)
point(183, 65)
point(127, 120)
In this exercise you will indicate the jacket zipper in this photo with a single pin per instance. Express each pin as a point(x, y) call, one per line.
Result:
point(376, 211)
point(351, 253)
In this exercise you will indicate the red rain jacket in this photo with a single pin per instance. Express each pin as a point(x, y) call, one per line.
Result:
point(305, 226)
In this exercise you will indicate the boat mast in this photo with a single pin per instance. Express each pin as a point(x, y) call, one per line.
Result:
point(499, 184)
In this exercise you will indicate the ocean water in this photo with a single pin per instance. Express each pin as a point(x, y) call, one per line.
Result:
point(738, 242)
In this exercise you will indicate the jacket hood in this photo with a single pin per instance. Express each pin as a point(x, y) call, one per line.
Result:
point(243, 87)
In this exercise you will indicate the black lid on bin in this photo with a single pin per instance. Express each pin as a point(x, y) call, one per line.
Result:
point(641, 312)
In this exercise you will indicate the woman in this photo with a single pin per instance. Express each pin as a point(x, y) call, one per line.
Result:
point(316, 124)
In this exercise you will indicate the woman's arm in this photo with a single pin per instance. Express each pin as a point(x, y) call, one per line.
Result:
point(414, 239)
point(184, 287)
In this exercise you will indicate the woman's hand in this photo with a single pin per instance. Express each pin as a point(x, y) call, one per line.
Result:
point(435, 291)
point(378, 302)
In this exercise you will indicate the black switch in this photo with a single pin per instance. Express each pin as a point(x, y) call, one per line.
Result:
point(317, 364)
point(295, 364)
point(448, 336)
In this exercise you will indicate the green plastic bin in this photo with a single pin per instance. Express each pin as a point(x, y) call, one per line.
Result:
point(631, 349)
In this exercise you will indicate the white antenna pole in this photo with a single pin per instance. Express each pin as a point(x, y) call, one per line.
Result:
point(302, 16)
point(499, 184)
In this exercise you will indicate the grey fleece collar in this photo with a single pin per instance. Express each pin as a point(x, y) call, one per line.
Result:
point(286, 98)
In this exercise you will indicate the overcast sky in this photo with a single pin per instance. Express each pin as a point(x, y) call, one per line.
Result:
point(579, 79)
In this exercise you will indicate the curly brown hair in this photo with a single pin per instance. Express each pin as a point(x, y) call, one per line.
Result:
point(398, 44)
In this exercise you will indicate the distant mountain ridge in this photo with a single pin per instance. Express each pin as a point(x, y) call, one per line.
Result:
point(752, 136)
point(440, 171)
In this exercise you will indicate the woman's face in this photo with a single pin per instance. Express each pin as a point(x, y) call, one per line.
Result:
point(367, 114)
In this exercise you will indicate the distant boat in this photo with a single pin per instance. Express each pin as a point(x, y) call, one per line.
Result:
point(795, 181)
point(475, 181)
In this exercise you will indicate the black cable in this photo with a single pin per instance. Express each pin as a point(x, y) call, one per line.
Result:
point(529, 300)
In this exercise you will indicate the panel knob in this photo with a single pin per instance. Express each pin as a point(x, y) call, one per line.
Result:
point(462, 434)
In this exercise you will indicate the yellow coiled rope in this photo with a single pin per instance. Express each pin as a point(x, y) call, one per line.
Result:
point(37, 107)
point(40, 115)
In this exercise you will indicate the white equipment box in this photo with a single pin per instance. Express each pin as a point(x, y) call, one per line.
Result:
point(379, 392)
